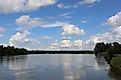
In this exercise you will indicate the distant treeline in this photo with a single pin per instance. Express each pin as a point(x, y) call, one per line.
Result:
point(61, 52)
point(112, 54)
point(9, 51)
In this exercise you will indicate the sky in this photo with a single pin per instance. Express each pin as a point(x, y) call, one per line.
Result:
point(59, 24)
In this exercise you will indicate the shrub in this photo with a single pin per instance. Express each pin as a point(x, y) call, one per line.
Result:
point(116, 64)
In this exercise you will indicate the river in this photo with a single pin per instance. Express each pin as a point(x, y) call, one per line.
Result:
point(55, 67)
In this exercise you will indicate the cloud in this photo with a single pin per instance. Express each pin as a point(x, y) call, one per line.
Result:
point(26, 22)
point(68, 29)
point(89, 44)
point(67, 43)
point(2, 29)
point(64, 14)
point(89, 2)
point(8, 6)
point(54, 24)
point(18, 38)
point(106, 37)
point(61, 5)
point(83, 21)
point(22, 40)
point(23, 20)
point(117, 32)
point(78, 43)
point(29, 22)
point(115, 21)
point(71, 29)
point(4, 44)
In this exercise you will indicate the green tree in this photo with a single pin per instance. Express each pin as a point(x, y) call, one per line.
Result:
point(110, 54)
point(6, 51)
point(99, 48)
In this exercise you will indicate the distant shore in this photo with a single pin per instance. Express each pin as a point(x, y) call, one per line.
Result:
point(61, 52)
point(11, 51)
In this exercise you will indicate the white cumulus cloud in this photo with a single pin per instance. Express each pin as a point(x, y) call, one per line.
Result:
point(106, 37)
point(115, 21)
point(8, 6)
point(18, 38)
point(65, 43)
point(90, 43)
point(68, 29)
point(78, 43)
point(26, 21)
point(117, 31)
point(71, 29)
point(55, 45)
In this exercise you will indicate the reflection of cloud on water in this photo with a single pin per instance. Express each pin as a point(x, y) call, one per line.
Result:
point(72, 67)
point(54, 67)
point(79, 67)
point(69, 78)
point(97, 66)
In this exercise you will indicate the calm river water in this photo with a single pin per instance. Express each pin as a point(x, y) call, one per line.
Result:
point(55, 67)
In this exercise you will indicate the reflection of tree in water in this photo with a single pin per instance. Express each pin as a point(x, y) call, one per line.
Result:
point(12, 66)
point(100, 61)
point(114, 75)
point(1, 61)
point(13, 62)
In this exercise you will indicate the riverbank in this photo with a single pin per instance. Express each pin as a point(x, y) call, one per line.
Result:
point(112, 54)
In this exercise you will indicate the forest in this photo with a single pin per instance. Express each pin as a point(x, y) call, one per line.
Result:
point(10, 50)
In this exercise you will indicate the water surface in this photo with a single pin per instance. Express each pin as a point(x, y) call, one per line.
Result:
point(55, 67)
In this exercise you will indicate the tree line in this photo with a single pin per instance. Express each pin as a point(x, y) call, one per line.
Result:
point(111, 52)
point(10, 50)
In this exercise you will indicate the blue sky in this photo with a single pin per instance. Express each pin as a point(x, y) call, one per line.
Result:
point(59, 24)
